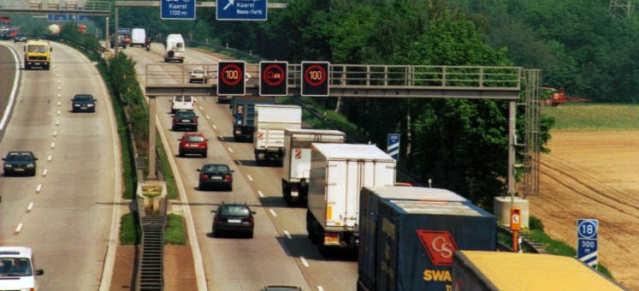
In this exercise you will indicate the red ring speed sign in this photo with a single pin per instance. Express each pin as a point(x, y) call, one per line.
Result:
point(317, 80)
point(269, 78)
point(229, 68)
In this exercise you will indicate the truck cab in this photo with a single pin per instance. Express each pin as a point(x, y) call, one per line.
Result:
point(17, 269)
point(37, 53)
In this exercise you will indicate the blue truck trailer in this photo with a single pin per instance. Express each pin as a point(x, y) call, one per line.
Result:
point(408, 236)
point(243, 109)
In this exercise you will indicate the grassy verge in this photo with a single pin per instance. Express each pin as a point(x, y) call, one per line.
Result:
point(174, 233)
point(171, 187)
point(130, 231)
point(591, 117)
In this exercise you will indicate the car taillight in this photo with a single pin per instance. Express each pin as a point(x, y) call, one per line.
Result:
point(331, 235)
point(176, 119)
point(203, 145)
point(204, 177)
point(195, 120)
point(216, 220)
point(251, 222)
point(228, 178)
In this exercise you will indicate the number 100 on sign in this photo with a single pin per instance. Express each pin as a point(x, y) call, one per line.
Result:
point(315, 79)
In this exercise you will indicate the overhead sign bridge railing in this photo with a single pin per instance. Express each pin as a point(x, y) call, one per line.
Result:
point(472, 82)
point(101, 8)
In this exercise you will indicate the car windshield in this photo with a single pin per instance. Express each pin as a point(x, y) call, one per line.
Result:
point(37, 48)
point(15, 267)
point(194, 138)
point(23, 157)
point(234, 210)
point(198, 71)
point(185, 114)
point(216, 168)
point(83, 98)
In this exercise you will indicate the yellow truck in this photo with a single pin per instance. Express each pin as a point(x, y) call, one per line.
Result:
point(484, 271)
point(37, 53)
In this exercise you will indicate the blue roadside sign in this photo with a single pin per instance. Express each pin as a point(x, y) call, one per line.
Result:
point(242, 10)
point(587, 244)
point(58, 17)
point(392, 147)
point(177, 9)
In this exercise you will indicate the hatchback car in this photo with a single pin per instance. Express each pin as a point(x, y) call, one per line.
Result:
point(185, 120)
point(233, 217)
point(83, 103)
point(215, 176)
point(20, 163)
point(199, 75)
point(193, 143)
point(20, 38)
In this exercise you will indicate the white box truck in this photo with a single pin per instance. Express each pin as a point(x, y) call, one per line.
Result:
point(338, 173)
point(138, 37)
point(297, 160)
point(270, 122)
point(175, 47)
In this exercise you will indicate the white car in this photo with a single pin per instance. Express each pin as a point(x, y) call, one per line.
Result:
point(182, 103)
point(17, 269)
point(199, 75)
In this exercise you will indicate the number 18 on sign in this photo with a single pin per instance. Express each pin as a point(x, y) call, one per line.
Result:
point(587, 245)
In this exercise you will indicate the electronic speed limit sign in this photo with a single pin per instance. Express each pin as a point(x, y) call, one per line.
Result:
point(230, 79)
point(315, 78)
point(273, 78)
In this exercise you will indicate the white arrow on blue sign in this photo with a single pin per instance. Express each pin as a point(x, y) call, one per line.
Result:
point(392, 147)
point(177, 9)
point(587, 244)
point(254, 10)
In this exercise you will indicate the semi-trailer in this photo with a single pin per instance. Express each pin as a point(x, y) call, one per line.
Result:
point(243, 109)
point(297, 160)
point(338, 173)
point(408, 236)
point(270, 122)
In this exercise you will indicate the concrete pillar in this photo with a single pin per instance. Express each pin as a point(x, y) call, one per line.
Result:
point(152, 111)
point(115, 33)
point(511, 147)
point(106, 32)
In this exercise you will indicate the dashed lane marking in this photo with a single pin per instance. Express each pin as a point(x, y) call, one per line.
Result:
point(44, 173)
point(50, 158)
point(304, 261)
point(287, 234)
point(39, 188)
point(250, 178)
point(261, 194)
point(230, 149)
point(19, 228)
point(30, 207)
point(273, 212)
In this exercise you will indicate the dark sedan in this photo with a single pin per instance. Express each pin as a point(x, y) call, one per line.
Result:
point(20, 38)
point(233, 217)
point(83, 103)
point(20, 163)
point(184, 120)
point(216, 176)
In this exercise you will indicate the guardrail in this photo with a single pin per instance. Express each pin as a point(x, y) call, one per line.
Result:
point(366, 76)
point(527, 245)
point(91, 7)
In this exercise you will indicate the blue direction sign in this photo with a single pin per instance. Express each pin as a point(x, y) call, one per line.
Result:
point(587, 245)
point(392, 147)
point(254, 10)
point(177, 9)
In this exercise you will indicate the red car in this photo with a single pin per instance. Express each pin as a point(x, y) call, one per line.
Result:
point(193, 143)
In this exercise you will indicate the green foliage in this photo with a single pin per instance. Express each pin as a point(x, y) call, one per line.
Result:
point(171, 188)
point(535, 223)
point(130, 231)
point(575, 116)
point(174, 232)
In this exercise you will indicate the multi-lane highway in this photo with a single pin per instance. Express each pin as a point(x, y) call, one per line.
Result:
point(280, 252)
point(69, 212)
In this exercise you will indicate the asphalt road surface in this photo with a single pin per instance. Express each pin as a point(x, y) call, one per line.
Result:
point(280, 252)
point(65, 213)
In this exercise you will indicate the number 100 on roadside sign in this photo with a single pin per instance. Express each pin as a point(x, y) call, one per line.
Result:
point(315, 79)
point(231, 79)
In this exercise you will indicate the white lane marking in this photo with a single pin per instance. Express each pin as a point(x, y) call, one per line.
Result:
point(44, 173)
point(59, 88)
point(55, 133)
point(304, 261)
point(59, 103)
point(30, 207)
point(49, 158)
point(273, 212)
point(201, 108)
point(59, 95)
point(250, 178)
point(261, 194)
point(320, 288)
point(19, 228)
point(58, 112)
point(58, 81)
point(53, 145)
point(230, 149)
point(209, 117)
point(57, 122)
point(214, 127)
point(287, 234)
point(39, 188)
point(7, 110)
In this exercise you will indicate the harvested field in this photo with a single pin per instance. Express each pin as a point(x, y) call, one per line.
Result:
point(594, 174)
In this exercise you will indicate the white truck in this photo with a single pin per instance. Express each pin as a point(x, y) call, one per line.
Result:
point(138, 37)
point(270, 122)
point(297, 160)
point(338, 173)
point(175, 47)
